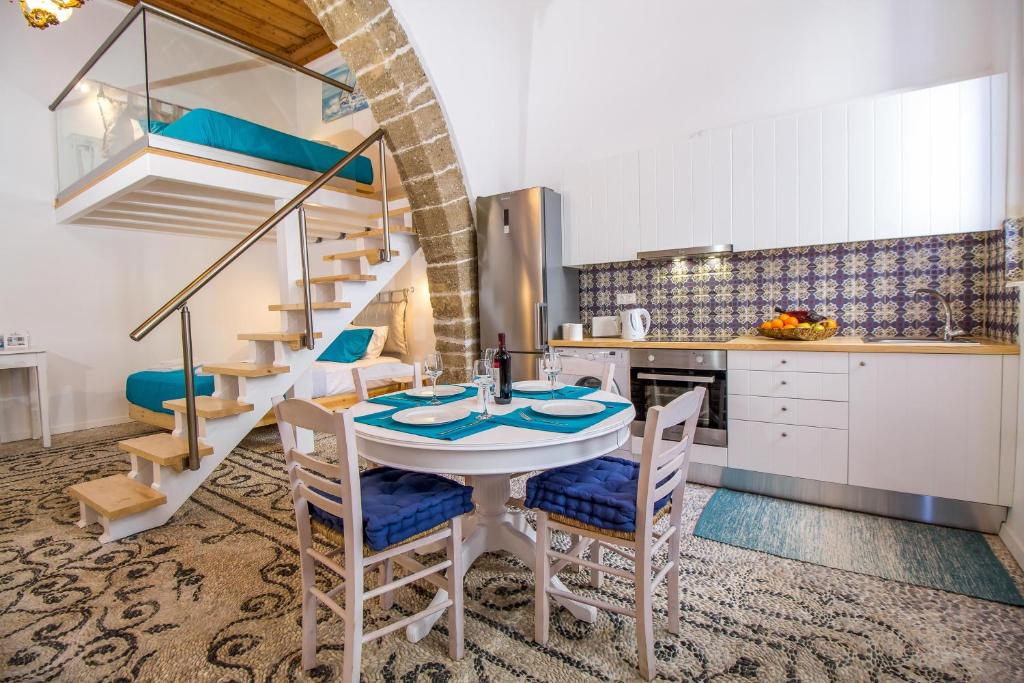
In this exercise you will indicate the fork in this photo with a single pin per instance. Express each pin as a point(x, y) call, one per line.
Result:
point(537, 419)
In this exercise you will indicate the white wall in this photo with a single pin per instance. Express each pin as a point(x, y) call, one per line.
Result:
point(477, 54)
point(79, 291)
point(532, 87)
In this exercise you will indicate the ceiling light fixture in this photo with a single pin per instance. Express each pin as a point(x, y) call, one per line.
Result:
point(44, 13)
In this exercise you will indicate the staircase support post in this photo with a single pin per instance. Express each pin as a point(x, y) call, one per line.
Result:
point(307, 297)
point(385, 250)
point(191, 421)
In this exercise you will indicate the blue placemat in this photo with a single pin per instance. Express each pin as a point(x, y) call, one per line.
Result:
point(448, 432)
point(564, 392)
point(563, 425)
point(403, 400)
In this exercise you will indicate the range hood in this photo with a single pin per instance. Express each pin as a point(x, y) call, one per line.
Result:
point(688, 252)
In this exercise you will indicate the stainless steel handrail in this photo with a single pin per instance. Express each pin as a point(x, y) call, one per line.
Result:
point(144, 7)
point(180, 300)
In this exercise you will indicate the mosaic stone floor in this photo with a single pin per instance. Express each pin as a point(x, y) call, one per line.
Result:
point(213, 596)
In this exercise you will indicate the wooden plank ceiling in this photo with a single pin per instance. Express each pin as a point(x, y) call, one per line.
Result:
point(285, 28)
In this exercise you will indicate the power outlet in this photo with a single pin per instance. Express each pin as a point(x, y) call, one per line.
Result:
point(625, 298)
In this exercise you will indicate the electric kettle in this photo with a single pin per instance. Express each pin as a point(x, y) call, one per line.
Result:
point(636, 323)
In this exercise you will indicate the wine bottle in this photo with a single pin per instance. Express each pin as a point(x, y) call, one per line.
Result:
point(503, 361)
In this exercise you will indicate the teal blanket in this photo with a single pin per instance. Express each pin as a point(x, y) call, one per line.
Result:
point(150, 388)
point(211, 128)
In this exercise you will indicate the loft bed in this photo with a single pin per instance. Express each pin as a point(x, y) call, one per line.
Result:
point(172, 127)
point(203, 172)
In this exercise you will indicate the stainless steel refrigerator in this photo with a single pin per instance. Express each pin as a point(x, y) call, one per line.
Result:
point(525, 291)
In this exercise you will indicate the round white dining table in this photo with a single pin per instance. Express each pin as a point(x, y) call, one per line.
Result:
point(489, 460)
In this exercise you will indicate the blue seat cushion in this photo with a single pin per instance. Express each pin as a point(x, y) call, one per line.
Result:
point(150, 388)
point(398, 504)
point(601, 493)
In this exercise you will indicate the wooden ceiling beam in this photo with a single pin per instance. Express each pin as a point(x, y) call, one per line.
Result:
point(285, 28)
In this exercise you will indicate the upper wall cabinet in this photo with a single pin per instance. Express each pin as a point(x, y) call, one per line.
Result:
point(925, 162)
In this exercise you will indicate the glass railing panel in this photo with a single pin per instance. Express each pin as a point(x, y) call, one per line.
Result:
point(106, 111)
point(190, 70)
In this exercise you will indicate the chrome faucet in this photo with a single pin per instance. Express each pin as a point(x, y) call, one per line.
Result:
point(948, 331)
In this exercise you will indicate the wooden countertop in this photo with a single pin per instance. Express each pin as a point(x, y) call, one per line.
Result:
point(835, 344)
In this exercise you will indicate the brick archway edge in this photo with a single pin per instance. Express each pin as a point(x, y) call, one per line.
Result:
point(403, 102)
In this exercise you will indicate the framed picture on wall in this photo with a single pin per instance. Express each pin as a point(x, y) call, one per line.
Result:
point(338, 103)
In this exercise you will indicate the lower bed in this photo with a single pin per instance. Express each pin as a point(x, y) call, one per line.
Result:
point(332, 387)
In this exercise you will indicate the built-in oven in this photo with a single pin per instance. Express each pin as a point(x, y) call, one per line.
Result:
point(657, 376)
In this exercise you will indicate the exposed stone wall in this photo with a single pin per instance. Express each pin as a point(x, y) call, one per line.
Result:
point(404, 104)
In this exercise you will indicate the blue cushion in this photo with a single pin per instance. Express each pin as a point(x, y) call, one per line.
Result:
point(399, 504)
point(214, 129)
point(349, 347)
point(599, 492)
point(150, 388)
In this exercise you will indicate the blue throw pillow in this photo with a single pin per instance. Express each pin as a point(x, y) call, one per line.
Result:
point(349, 347)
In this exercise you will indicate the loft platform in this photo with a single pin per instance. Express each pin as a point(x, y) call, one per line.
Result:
point(163, 184)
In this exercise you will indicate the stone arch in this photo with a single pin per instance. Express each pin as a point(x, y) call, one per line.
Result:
point(403, 102)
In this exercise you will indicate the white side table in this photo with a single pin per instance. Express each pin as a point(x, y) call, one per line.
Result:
point(11, 359)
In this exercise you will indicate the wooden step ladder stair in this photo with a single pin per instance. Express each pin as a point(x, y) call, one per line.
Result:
point(160, 482)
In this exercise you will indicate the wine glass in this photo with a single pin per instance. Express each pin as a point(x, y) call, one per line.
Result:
point(489, 355)
point(433, 366)
point(551, 365)
point(483, 377)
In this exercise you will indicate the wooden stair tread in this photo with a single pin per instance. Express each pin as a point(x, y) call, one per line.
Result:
point(376, 233)
point(211, 407)
point(340, 277)
point(244, 369)
point(117, 496)
point(163, 448)
point(317, 306)
point(276, 336)
point(373, 255)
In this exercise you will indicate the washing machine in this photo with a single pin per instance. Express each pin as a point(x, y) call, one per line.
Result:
point(573, 373)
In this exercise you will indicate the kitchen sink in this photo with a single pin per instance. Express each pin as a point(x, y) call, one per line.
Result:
point(872, 339)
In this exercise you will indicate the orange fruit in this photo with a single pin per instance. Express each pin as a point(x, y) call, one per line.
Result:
point(831, 324)
point(776, 324)
point(766, 325)
point(790, 326)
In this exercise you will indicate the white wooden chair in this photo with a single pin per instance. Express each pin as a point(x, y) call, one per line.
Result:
point(663, 469)
point(325, 492)
point(362, 376)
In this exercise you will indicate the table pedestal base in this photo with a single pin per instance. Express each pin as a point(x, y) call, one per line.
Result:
point(490, 529)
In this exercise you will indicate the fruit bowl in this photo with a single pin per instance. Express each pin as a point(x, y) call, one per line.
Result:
point(798, 333)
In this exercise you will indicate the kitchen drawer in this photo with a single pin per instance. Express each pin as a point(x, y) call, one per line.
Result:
point(807, 385)
point(790, 361)
point(793, 411)
point(789, 450)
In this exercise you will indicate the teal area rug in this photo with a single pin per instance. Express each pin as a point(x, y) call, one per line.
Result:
point(921, 554)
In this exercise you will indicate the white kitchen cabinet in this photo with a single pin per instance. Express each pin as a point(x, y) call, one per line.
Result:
point(788, 450)
point(923, 162)
point(926, 424)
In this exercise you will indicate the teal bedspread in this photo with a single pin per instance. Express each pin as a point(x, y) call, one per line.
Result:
point(207, 127)
point(150, 388)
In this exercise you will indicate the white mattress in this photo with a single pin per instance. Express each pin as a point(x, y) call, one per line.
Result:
point(331, 378)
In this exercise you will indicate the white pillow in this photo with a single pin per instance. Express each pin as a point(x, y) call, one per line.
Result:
point(377, 341)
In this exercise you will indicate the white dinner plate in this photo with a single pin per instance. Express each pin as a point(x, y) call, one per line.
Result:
point(535, 386)
point(568, 407)
point(442, 390)
point(427, 416)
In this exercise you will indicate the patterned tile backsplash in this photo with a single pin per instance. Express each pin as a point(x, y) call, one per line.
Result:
point(867, 286)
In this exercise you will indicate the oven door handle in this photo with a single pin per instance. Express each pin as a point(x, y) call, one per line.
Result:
point(702, 379)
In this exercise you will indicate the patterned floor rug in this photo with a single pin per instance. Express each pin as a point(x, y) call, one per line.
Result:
point(213, 596)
